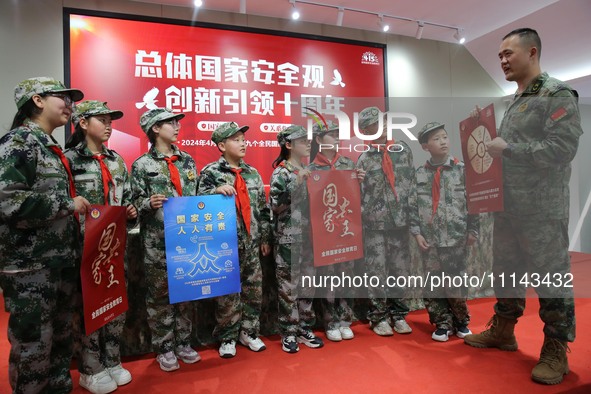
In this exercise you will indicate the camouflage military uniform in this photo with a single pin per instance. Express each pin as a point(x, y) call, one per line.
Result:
point(100, 349)
point(336, 311)
point(542, 126)
point(289, 203)
point(446, 233)
point(385, 227)
point(40, 252)
point(229, 308)
point(170, 324)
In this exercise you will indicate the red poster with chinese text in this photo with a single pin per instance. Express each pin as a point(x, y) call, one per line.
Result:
point(484, 174)
point(102, 271)
point(335, 215)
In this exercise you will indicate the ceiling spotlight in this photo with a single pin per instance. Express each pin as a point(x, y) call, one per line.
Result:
point(385, 27)
point(420, 30)
point(294, 13)
point(340, 16)
point(198, 3)
point(459, 36)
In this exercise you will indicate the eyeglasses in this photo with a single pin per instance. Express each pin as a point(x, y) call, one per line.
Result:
point(173, 122)
point(67, 99)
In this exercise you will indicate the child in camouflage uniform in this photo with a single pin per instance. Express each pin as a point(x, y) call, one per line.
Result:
point(337, 311)
point(390, 175)
point(39, 239)
point(231, 176)
point(100, 175)
point(443, 229)
point(165, 171)
point(288, 196)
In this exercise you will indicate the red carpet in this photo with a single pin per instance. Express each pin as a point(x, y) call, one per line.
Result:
point(412, 363)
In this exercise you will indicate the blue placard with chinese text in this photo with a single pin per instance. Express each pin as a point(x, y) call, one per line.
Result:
point(201, 247)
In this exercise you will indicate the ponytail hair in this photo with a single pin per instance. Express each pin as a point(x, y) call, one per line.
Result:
point(315, 147)
point(283, 155)
point(76, 138)
point(28, 110)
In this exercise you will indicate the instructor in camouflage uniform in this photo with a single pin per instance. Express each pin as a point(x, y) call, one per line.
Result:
point(538, 139)
point(39, 238)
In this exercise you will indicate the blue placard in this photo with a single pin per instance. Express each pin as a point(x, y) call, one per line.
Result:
point(201, 247)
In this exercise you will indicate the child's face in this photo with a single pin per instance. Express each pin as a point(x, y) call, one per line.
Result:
point(234, 147)
point(331, 138)
point(437, 144)
point(98, 128)
point(373, 129)
point(299, 148)
point(168, 130)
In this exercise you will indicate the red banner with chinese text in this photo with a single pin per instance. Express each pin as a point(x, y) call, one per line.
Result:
point(484, 174)
point(102, 272)
point(335, 215)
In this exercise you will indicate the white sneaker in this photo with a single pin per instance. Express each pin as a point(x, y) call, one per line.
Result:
point(253, 342)
point(402, 327)
point(441, 334)
point(120, 375)
point(100, 383)
point(168, 361)
point(187, 354)
point(382, 328)
point(346, 332)
point(228, 349)
point(334, 334)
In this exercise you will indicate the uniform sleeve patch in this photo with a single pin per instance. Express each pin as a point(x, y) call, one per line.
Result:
point(559, 114)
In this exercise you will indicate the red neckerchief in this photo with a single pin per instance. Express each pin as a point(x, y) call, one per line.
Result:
point(436, 185)
point(175, 176)
point(322, 160)
point(105, 175)
point(242, 198)
point(388, 166)
point(56, 149)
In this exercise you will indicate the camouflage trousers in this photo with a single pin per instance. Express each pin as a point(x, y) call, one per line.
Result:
point(41, 305)
point(336, 310)
point(295, 304)
point(386, 254)
point(100, 349)
point(242, 310)
point(530, 249)
point(170, 324)
point(446, 304)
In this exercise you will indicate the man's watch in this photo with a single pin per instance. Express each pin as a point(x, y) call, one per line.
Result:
point(508, 151)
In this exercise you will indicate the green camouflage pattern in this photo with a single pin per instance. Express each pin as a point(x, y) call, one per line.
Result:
point(170, 325)
point(37, 224)
point(228, 308)
point(423, 135)
point(368, 116)
point(342, 163)
point(289, 203)
point(379, 208)
point(543, 126)
point(153, 116)
point(451, 223)
point(226, 130)
point(89, 108)
point(536, 177)
point(26, 89)
point(293, 132)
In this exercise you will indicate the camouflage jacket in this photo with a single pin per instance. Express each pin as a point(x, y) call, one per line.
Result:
point(379, 207)
point(37, 225)
point(219, 173)
point(149, 176)
point(289, 202)
point(88, 177)
point(451, 223)
point(543, 126)
point(342, 163)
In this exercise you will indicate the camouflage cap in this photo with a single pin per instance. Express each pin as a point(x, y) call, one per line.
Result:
point(152, 116)
point(429, 127)
point(368, 116)
point(226, 130)
point(320, 128)
point(26, 89)
point(92, 108)
point(291, 133)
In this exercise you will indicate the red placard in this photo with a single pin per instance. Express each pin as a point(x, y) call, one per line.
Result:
point(484, 174)
point(335, 215)
point(215, 75)
point(102, 271)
